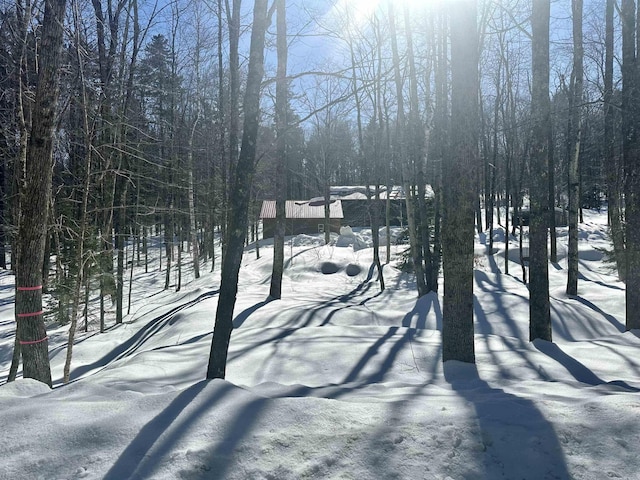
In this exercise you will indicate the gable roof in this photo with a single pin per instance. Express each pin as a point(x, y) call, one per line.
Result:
point(301, 209)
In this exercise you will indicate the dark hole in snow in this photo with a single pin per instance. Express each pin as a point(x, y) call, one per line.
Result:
point(353, 269)
point(329, 267)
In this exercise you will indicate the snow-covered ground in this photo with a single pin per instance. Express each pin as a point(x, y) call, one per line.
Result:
point(337, 380)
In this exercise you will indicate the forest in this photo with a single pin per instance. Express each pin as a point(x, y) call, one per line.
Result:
point(126, 120)
point(481, 321)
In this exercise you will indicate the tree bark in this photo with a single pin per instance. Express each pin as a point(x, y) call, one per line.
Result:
point(575, 134)
point(460, 192)
point(539, 308)
point(401, 150)
point(240, 194)
point(611, 162)
point(32, 229)
point(82, 234)
point(275, 291)
point(631, 157)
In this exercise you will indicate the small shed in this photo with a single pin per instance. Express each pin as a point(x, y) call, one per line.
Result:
point(302, 217)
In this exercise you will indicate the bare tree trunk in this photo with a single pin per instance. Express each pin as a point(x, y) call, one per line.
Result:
point(15, 359)
point(440, 136)
point(179, 260)
point(275, 291)
point(384, 128)
point(611, 161)
point(553, 253)
point(631, 154)
point(461, 194)
point(539, 308)
point(241, 192)
point(23, 114)
point(494, 166)
point(193, 226)
point(575, 134)
point(401, 149)
point(233, 20)
point(327, 209)
point(221, 145)
point(417, 141)
point(32, 229)
point(85, 201)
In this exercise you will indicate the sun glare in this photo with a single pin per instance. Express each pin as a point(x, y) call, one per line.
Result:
point(359, 12)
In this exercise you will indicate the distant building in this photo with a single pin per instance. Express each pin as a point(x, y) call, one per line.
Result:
point(356, 206)
point(302, 216)
point(525, 214)
point(349, 206)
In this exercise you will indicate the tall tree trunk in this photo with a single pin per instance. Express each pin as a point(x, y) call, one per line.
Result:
point(631, 154)
point(238, 208)
point(327, 205)
point(221, 146)
point(87, 136)
point(460, 194)
point(193, 225)
point(439, 136)
point(575, 134)
point(539, 308)
point(32, 228)
point(417, 142)
point(401, 151)
point(612, 166)
point(275, 291)
point(228, 173)
point(553, 252)
point(23, 114)
point(494, 166)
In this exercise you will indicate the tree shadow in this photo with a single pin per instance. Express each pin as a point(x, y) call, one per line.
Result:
point(515, 343)
point(420, 312)
point(135, 461)
point(613, 348)
point(355, 379)
point(610, 318)
point(136, 341)
point(159, 437)
point(497, 291)
point(246, 313)
point(515, 439)
point(373, 351)
point(579, 371)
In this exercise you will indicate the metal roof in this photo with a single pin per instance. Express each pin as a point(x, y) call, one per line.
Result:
point(358, 192)
point(301, 209)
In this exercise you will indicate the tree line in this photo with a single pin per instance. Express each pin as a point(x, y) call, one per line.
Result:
point(128, 125)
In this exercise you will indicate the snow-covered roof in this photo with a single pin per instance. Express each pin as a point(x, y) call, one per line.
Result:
point(301, 209)
point(358, 192)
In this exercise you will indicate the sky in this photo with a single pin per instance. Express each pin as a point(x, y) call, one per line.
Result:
point(338, 379)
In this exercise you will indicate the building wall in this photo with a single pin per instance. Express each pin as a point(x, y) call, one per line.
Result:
point(297, 226)
point(356, 212)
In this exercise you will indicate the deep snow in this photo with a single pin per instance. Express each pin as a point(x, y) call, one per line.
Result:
point(337, 380)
